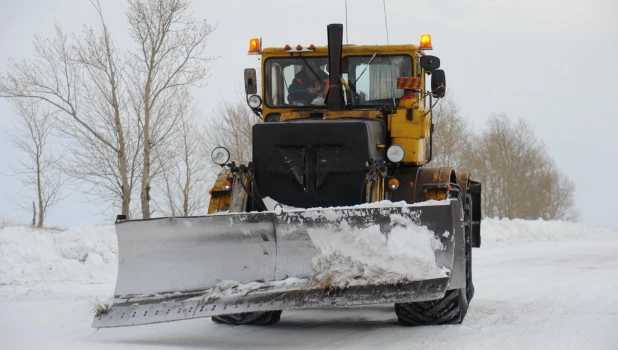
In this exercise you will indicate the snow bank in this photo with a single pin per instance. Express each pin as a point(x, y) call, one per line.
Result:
point(504, 232)
point(84, 254)
point(88, 254)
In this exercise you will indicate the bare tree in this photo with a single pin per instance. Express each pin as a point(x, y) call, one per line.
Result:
point(183, 163)
point(170, 55)
point(505, 152)
point(108, 172)
point(520, 179)
point(562, 202)
point(33, 213)
point(82, 80)
point(451, 139)
point(39, 168)
point(232, 127)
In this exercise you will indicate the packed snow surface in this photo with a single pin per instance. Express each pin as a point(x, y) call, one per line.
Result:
point(539, 285)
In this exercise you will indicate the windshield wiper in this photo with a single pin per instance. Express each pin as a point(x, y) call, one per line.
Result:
point(367, 66)
point(312, 71)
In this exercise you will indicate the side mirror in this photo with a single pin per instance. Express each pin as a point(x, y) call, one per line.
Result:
point(430, 63)
point(438, 83)
point(250, 81)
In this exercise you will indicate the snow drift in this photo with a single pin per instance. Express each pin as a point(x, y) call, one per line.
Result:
point(88, 254)
point(85, 254)
point(505, 232)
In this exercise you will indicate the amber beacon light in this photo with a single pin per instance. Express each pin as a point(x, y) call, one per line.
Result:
point(254, 46)
point(425, 42)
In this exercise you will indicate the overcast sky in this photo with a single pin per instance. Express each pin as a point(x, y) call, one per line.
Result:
point(551, 62)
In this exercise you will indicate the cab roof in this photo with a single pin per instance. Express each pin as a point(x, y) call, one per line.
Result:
point(347, 50)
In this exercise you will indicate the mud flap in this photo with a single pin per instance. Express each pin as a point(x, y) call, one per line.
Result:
point(175, 268)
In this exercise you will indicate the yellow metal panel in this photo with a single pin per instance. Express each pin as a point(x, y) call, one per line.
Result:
point(408, 130)
point(418, 127)
point(365, 114)
point(419, 116)
point(219, 204)
point(219, 198)
point(287, 115)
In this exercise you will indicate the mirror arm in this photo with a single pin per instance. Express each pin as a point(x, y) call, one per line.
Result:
point(430, 130)
point(256, 111)
point(430, 143)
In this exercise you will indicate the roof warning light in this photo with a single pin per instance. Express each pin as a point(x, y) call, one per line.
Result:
point(425, 42)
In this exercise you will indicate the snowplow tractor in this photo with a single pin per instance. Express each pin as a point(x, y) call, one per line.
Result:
point(336, 207)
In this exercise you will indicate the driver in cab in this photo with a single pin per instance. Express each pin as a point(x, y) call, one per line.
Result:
point(310, 86)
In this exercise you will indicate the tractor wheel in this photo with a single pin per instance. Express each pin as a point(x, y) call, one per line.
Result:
point(468, 237)
point(453, 307)
point(260, 318)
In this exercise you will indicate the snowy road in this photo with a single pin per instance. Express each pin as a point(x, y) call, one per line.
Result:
point(555, 295)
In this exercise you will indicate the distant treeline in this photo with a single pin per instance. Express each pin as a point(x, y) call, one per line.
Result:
point(520, 179)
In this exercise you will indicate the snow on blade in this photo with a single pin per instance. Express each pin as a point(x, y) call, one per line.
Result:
point(351, 256)
point(233, 288)
point(359, 256)
point(271, 203)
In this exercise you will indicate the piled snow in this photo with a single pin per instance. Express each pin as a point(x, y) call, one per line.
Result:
point(84, 254)
point(271, 205)
point(505, 232)
point(88, 254)
point(357, 256)
point(349, 255)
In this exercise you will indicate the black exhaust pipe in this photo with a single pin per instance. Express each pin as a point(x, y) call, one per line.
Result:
point(334, 99)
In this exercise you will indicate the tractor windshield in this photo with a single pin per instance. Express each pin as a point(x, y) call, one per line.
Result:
point(374, 82)
point(296, 81)
point(303, 81)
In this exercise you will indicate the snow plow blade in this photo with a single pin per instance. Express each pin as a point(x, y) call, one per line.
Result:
point(180, 268)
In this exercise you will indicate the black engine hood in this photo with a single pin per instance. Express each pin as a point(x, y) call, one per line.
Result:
point(315, 163)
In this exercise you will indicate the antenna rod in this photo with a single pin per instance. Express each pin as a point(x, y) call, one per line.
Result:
point(386, 22)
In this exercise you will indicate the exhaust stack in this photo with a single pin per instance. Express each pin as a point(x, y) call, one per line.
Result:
point(334, 99)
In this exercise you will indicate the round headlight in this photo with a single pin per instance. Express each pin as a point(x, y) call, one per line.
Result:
point(395, 153)
point(254, 101)
point(220, 155)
